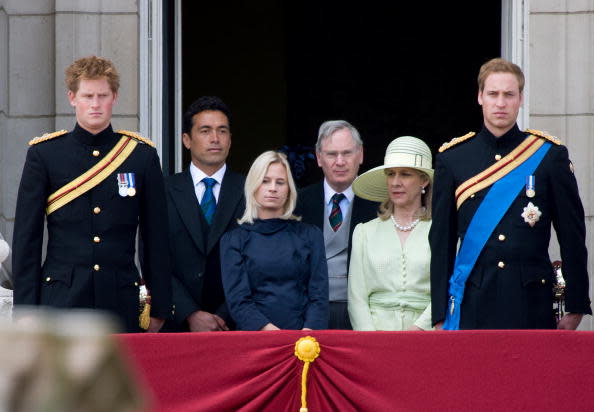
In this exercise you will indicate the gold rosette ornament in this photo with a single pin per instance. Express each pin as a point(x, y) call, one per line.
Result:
point(307, 349)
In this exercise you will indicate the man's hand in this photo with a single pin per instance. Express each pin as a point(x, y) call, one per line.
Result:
point(439, 325)
point(570, 321)
point(155, 325)
point(269, 326)
point(201, 321)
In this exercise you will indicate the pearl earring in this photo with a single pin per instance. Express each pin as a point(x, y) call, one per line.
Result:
point(422, 190)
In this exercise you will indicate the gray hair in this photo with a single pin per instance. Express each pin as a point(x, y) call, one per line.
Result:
point(328, 128)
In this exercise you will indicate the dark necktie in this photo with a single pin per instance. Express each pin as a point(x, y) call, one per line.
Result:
point(208, 204)
point(336, 213)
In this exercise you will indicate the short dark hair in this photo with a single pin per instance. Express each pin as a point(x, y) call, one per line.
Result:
point(202, 104)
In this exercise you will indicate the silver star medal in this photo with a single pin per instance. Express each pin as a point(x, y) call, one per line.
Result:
point(531, 214)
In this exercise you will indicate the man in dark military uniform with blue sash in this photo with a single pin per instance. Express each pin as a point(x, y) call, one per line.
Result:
point(498, 192)
point(95, 187)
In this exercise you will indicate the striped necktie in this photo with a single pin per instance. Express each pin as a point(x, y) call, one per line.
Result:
point(336, 214)
point(208, 204)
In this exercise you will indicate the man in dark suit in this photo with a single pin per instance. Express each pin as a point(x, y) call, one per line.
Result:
point(333, 207)
point(95, 188)
point(203, 203)
point(498, 192)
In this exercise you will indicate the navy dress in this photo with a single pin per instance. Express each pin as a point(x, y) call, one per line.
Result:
point(274, 271)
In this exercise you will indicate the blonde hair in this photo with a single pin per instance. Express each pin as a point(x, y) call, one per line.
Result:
point(387, 206)
point(91, 68)
point(254, 179)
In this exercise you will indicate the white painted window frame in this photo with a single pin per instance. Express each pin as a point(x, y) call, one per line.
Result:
point(515, 46)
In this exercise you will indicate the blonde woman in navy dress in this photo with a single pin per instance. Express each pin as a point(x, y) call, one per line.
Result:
point(273, 266)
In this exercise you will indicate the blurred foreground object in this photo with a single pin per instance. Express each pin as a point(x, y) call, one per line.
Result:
point(64, 361)
point(5, 279)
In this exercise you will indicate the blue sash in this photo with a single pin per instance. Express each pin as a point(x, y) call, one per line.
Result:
point(486, 218)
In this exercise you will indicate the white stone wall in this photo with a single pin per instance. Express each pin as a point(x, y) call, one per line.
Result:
point(561, 99)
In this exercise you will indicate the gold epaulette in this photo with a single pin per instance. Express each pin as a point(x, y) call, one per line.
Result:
point(553, 139)
point(136, 136)
point(47, 136)
point(455, 141)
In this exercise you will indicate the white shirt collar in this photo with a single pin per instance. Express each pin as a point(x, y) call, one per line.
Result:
point(198, 175)
point(329, 192)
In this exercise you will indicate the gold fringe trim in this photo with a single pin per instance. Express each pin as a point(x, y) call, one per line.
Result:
point(138, 137)
point(145, 316)
point(553, 139)
point(47, 136)
point(455, 141)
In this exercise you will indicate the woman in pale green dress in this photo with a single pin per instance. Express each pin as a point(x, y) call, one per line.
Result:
point(389, 269)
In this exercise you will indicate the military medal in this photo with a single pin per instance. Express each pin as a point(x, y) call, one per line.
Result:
point(131, 184)
point(530, 186)
point(531, 214)
point(122, 184)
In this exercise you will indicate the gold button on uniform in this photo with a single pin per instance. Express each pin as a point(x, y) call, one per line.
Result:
point(96, 268)
point(96, 153)
point(497, 157)
point(472, 196)
point(544, 281)
point(47, 279)
point(96, 239)
point(501, 237)
point(501, 265)
point(97, 210)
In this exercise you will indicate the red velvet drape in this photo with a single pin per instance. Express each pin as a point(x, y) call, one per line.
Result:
point(368, 371)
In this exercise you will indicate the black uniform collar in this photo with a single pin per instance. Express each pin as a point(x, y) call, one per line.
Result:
point(85, 137)
point(508, 140)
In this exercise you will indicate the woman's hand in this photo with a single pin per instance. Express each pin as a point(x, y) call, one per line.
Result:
point(306, 329)
point(414, 327)
point(269, 326)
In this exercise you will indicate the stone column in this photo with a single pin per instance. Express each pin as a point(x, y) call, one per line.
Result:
point(27, 94)
point(561, 100)
point(107, 28)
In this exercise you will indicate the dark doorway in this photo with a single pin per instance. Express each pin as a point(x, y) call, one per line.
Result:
point(389, 69)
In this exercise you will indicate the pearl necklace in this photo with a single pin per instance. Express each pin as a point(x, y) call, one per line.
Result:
point(406, 228)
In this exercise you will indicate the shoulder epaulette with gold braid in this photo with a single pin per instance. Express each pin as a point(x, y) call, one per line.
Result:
point(47, 136)
point(455, 141)
point(136, 136)
point(539, 133)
